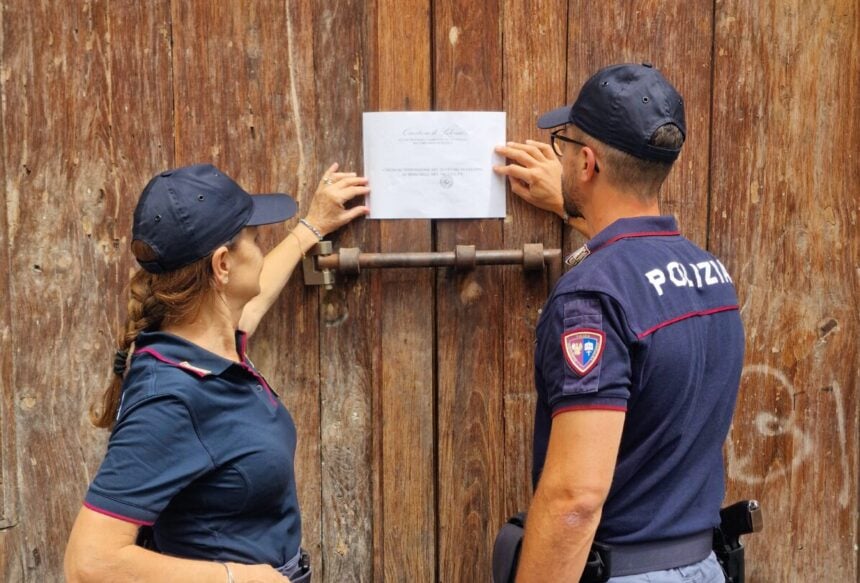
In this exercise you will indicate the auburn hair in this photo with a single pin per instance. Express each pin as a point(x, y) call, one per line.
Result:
point(155, 300)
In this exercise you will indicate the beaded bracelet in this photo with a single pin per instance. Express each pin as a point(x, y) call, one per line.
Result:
point(313, 229)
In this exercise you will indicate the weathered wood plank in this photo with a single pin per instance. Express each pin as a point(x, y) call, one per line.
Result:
point(291, 333)
point(676, 38)
point(139, 125)
point(468, 76)
point(245, 101)
point(63, 210)
point(406, 530)
point(11, 564)
point(784, 219)
point(534, 82)
point(7, 420)
point(349, 326)
point(263, 90)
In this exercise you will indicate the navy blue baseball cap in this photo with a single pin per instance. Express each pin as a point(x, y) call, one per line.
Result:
point(186, 213)
point(622, 106)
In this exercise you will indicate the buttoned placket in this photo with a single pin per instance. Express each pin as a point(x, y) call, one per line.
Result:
point(247, 365)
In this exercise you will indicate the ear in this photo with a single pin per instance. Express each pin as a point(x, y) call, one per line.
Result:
point(221, 263)
point(589, 164)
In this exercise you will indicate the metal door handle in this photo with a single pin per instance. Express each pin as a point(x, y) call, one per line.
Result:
point(320, 262)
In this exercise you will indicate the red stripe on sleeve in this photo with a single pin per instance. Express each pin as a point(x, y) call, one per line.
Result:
point(117, 516)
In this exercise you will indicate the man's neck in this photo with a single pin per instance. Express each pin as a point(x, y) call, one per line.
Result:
point(610, 205)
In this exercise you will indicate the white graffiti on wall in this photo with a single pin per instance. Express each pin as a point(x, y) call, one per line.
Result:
point(840, 427)
point(742, 468)
point(741, 465)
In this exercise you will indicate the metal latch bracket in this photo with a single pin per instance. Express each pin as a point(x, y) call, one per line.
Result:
point(314, 276)
point(321, 262)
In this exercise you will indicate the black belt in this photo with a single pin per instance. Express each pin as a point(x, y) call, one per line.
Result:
point(605, 561)
point(660, 555)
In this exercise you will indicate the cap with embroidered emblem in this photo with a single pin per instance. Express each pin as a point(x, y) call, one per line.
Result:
point(622, 106)
point(186, 213)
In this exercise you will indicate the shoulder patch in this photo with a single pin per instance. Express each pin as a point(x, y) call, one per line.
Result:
point(582, 349)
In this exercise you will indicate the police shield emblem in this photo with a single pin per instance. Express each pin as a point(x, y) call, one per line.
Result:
point(582, 349)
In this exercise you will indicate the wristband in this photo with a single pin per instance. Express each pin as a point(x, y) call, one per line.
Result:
point(313, 229)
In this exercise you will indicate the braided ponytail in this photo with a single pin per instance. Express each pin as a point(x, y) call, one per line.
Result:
point(155, 300)
point(142, 314)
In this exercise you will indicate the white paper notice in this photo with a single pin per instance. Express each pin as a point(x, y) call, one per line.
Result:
point(434, 165)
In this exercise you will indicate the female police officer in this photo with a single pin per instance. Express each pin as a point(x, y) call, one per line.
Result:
point(200, 448)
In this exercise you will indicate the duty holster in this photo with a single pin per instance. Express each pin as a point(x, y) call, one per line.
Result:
point(738, 519)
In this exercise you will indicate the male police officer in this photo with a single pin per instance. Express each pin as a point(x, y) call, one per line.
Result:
point(639, 348)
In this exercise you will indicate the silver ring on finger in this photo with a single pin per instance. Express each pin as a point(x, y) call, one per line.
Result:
point(328, 181)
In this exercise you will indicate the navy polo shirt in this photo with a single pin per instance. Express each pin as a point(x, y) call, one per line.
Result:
point(203, 451)
point(646, 323)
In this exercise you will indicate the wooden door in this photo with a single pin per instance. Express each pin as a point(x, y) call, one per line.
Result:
point(412, 389)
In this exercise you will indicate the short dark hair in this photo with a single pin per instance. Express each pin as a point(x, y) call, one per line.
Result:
point(632, 174)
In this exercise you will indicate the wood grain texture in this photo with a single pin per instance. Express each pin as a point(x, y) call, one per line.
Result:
point(468, 76)
point(139, 131)
point(291, 332)
point(245, 102)
point(534, 82)
point(412, 391)
point(406, 530)
point(62, 210)
point(676, 38)
point(784, 220)
point(348, 327)
point(11, 531)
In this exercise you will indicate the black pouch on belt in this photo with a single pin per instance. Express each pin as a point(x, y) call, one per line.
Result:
point(506, 554)
point(506, 550)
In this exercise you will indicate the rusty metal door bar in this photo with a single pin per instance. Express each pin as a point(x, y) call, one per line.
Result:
point(320, 263)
